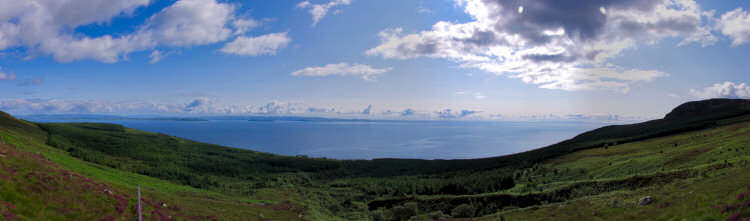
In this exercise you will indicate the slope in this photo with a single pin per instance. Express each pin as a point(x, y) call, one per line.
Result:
point(683, 150)
point(38, 181)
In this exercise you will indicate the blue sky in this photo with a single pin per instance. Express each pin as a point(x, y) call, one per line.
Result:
point(463, 59)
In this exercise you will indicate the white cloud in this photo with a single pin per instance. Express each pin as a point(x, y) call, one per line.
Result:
point(476, 95)
point(199, 103)
point(573, 117)
point(553, 44)
point(7, 76)
point(736, 25)
point(408, 112)
point(242, 26)
point(367, 110)
point(209, 106)
point(254, 46)
point(421, 9)
point(723, 90)
point(191, 22)
point(451, 114)
point(156, 56)
point(37, 106)
point(43, 27)
point(49, 27)
point(318, 11)
point(599, 78)
point(343, 69)
point(479, 96)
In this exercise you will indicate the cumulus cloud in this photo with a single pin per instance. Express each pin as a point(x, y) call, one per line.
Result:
point(723, 90)
point(736, 25)
point(207, 106)
point(244, 25)
point(198, 103)
point(191, 22)
point(343, 69)
point(43, 27)
point(38, 106)
point(276, 107)
point(318, 11)
point(451, 114)
point(408, 112)
point(48, 27)
point(367, 110)
point(254, 46)
point(554, 44)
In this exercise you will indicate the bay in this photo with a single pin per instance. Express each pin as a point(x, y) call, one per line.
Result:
point(366, 139)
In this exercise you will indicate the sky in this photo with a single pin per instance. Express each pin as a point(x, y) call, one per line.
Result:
point(393, 59)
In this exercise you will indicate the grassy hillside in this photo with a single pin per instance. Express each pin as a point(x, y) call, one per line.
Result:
point(601, 174)
point(38, 181)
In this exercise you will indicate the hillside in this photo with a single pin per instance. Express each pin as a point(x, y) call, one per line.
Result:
point(678, 160)
point(38, 181)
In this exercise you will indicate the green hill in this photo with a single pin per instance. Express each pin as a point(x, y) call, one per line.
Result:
point(693, 163)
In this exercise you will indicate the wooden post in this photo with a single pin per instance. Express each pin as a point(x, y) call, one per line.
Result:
point(140, 216)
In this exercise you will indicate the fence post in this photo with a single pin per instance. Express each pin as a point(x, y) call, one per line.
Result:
point(140, 216)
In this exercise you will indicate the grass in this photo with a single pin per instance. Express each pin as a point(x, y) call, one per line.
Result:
point(701, 197)
point(42, 181)
point(694, 166)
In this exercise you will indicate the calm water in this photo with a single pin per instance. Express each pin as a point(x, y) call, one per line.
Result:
point(367, 140)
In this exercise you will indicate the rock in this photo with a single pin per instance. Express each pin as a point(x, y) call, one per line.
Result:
point(164, 205)
point(644, 201)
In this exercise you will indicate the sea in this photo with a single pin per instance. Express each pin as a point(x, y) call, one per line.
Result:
point(361, 139)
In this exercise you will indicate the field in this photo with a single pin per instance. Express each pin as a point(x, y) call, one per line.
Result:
point(693, 164)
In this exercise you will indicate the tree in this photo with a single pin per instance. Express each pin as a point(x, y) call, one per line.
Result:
point(463, 211)
point(507, 183)
point(403, 212)
point(377, 215)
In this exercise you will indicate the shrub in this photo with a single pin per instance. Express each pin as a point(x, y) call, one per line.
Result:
point(463, 211)
point(412, 206)
point(403, 212)
point(418, 217)
point(378, 215)
point(437, 215)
